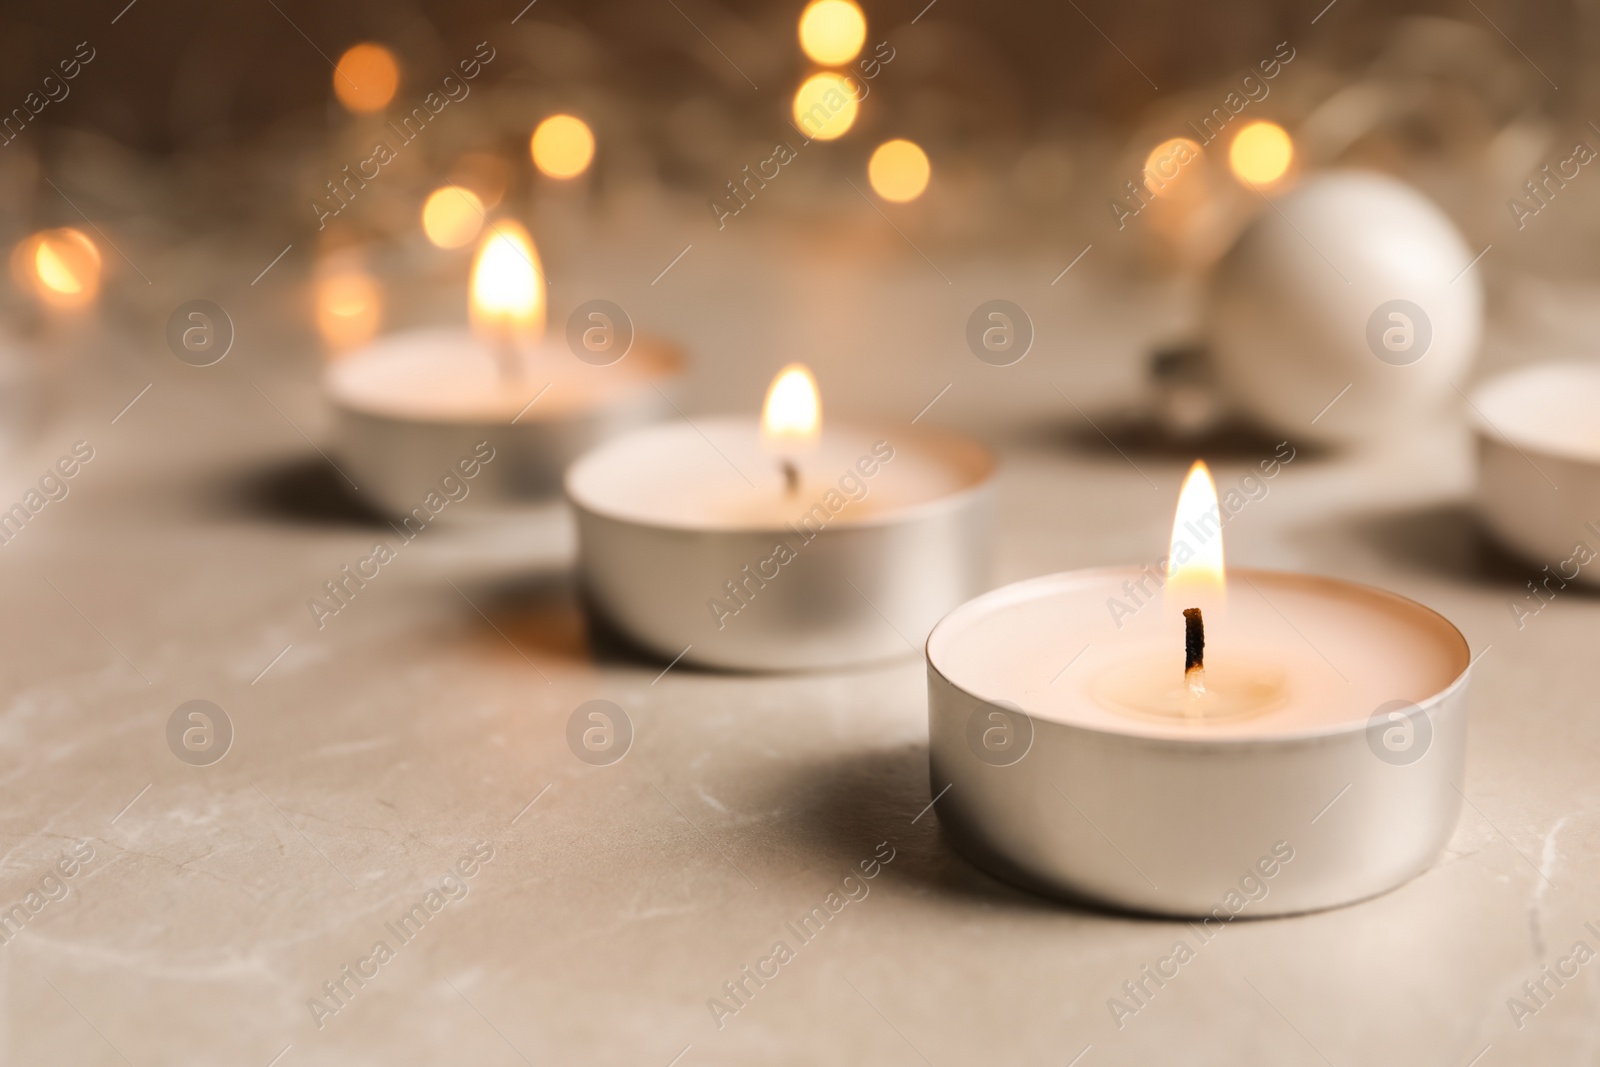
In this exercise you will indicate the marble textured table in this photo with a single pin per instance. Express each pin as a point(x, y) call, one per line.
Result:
point(429, 716)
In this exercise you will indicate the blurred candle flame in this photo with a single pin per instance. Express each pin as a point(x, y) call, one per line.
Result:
point(349, 306)
point(791, 419)
point(507, 302)
point(61, 266)
point(1196, 573)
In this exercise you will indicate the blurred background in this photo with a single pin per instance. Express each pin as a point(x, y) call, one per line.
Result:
point(195, 143)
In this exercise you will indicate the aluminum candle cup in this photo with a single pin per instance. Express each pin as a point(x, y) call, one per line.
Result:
point(1536, 430)
point(412, 404)
point(1339, 784)
point(691, 542)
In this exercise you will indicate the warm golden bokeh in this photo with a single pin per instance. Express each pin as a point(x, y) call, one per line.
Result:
point(562, 146)
point(507, 301)
point(899, 171)
point(61, 266)
point(1261, 153)
point(349, 308)
point(452, 216)
point(1168, 163)
point(366, 77)
point(832, 31)
point(824, 107)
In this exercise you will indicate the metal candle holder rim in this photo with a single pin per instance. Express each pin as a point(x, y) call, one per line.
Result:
point(982, 461)
point(1017, 590)
point(667, 360)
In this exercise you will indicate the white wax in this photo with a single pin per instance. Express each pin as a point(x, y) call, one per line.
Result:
point(1548, 408)
point(713, 473)
point(449, 375)
point(1342, 649)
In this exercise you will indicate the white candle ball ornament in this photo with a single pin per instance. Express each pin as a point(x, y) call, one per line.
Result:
point(1345, 310)
point(1071, 752)
point(1539, 470)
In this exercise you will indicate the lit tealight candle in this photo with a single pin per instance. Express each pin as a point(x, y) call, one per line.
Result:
point(782, 544)
point(1143, 738)
point(412, 404)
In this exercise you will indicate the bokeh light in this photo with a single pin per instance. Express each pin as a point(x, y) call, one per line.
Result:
point(61, 266)
point(832, 31)
point(452, 216)
point(824, 107)
point(1261, 153)
point(562, 146)
point(366, 77)
point(898, 171)
point(1169, 163)
point(349, 308)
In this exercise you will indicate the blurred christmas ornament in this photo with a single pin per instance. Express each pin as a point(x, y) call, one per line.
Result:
point(1346, 311)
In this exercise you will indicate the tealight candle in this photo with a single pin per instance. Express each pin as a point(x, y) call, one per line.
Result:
point(1539, 469)
point(1144, 738)
point(412, 404)
point(781, 545)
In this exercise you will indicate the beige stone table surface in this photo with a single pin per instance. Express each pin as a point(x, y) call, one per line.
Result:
point(421, 733)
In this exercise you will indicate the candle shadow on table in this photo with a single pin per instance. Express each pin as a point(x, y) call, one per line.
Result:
point(536, 615)
point(845, 804)
point(1119, 435)
point(299, 490)
point(1449, 541)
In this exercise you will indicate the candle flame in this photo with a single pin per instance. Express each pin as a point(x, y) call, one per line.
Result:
point(1195, 568)
point(791, 419)
point(508, 285)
